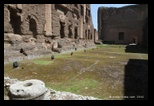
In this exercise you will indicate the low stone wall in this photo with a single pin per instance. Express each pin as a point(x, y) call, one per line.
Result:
point(12, 55)
point(35, 48)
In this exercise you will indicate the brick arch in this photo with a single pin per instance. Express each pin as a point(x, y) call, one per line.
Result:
point(33, 25)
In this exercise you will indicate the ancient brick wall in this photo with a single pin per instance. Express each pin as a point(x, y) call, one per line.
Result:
point(67, 17)
point(77, 18)
point(36, 13)
point(7, 26)
point(47, 27)
point(128, 21)
point(55, 23)
point(20, 19)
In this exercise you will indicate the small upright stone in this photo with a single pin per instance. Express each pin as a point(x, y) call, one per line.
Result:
point(52, 57)
point(15, 64)
point(71, 53)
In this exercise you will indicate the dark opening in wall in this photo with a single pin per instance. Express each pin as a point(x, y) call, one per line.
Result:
point(76, 33)
point(86, 11)
point(61, 9)
point(87, 20)
point(70, 34)
point(89, 34)
point(33, 27)
point(121, 35)
point(62, 34)
point(89, 13)
point(85, 34)
point(76, 5)
point(15, 21)
point(82, 10)
point(134, 40)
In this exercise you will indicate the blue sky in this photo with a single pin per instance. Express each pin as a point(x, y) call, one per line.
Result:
point(94, 8)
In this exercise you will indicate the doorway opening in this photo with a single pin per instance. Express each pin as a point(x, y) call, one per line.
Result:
point(62, 33)
point(75, 33)
point(134, 40)
point(33, 27)
point(15, 21)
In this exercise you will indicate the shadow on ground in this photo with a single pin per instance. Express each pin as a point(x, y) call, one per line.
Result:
point(135, 49)
point(136, 80)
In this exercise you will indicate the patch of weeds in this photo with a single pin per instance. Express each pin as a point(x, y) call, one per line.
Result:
point(77, 85)
point(43, 62)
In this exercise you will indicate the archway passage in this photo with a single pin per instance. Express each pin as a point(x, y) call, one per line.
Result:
point(88, 34)
point(91, 37)
point(75, 33)
point(33, 27)
point(85, 34)
point(15, 21)
point(70, 31)
point(62, 34)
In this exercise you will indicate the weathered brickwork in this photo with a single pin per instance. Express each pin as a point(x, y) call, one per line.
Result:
point(124, 25)
point(43, 26)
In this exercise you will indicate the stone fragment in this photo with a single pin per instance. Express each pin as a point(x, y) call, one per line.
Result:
point(27, 90)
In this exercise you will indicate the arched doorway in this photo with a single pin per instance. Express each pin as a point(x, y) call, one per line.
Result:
point(62, 26)
point(89, 34)
point(33, 27)
point(70, 34)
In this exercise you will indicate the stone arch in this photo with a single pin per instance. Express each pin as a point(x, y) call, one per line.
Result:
point(62, 30)
point(70, 32)
point(62, 19)
point(33, 26)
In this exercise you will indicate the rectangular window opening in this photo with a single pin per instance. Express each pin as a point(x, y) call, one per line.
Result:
point(121, 35)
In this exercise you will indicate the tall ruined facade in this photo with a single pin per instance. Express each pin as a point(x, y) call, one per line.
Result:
point(54, 27)
point(124, 25)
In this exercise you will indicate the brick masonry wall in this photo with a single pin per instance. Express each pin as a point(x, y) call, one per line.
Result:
point(129, 20)
point(36, 11)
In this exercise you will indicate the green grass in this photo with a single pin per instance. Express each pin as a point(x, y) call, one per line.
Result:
point(42, 62)
point(76, 85)
point(98, 72)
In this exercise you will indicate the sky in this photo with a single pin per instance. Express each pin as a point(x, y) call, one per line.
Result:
point(94, 8)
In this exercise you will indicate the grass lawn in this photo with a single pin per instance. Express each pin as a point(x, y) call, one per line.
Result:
point(100, 72)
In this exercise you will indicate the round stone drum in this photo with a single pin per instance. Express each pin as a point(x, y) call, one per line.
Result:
point(28, 90)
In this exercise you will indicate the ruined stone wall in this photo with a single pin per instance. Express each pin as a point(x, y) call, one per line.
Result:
point(76, 21)
point(7, 26)
point(128, 20)
point(27, 13)
point(47, 27)
point(35, 12)
point(55, 23)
